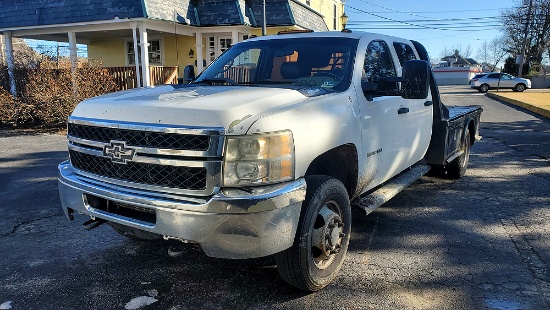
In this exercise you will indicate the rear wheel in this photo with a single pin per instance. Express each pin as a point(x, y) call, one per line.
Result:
point(437, 171)
point(133, 233)
point(322, 237)
point(520, 87)
point(484, 88)
point(457, 168)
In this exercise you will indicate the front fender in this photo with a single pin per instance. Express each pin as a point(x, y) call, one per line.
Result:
point(318, 124)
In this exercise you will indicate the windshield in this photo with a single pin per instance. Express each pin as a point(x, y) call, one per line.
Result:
point(314, 62)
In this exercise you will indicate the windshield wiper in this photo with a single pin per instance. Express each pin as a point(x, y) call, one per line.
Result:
point(295, 82)
point(215, 81)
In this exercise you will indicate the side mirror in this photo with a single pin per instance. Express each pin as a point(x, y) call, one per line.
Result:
point(188, 74)
point(416, 79)
point(369, 86)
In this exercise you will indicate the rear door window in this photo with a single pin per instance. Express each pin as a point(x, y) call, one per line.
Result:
point(404, 52)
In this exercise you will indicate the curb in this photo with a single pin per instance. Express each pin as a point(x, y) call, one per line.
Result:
point(532, 108)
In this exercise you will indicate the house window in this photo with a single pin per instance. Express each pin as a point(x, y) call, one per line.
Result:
point(308, 2)
point(154, 53)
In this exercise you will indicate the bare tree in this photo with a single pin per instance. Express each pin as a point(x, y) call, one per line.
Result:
point(449, 51)
point(492, 52)
point(23, 55)
point(538, 36)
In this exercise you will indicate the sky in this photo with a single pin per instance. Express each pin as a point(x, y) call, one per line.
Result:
point(434, 23)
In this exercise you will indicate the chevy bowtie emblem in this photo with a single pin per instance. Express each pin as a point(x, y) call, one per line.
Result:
point(119, 152)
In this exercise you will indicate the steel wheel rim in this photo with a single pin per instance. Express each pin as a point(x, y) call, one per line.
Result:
point(327, 235)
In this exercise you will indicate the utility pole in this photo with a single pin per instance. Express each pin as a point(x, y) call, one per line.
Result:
point(521, 60)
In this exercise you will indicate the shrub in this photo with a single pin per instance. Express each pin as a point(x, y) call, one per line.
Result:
point(14, 112)
point(49, 95)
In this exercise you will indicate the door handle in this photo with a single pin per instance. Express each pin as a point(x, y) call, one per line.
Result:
point(428, 103)
point(403, 111)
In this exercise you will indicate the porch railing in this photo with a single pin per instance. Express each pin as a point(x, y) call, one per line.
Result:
point(125, 77)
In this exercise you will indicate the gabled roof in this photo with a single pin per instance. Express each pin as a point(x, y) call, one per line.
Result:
point(458, 60)
point(17, 13)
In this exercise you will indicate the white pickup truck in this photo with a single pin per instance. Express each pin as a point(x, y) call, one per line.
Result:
point(265, 150)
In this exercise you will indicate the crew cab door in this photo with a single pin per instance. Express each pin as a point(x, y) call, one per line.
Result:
point(395, 131)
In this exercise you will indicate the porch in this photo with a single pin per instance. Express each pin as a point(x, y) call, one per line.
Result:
point(124, 77)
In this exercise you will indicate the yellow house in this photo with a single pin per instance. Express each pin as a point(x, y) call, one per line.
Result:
point(168, 35)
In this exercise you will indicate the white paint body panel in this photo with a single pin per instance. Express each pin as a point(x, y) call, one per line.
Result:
point(318, 123)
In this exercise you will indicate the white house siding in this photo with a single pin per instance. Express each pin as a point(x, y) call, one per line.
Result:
point(454, 75)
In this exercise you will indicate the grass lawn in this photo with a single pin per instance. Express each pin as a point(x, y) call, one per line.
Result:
point(538, 102)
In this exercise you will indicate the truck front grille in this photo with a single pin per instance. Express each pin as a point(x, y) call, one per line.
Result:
point(140, 138)
point(163, 160)
point(150, 174)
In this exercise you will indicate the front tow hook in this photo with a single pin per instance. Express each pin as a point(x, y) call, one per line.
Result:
point(93, 223)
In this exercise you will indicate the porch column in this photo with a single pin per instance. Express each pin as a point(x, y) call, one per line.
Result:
point(74, 60)
point(144, 44)
point(234, 37)
point(136, 58)
point(199, 46)
point(3, 58)
point(11, 65)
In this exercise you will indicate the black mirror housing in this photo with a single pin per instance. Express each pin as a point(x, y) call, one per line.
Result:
point(416, 79)
point(369, 86)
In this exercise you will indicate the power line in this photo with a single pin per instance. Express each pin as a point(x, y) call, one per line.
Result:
point(427, 12)
point(441, 19)
point(416, 24)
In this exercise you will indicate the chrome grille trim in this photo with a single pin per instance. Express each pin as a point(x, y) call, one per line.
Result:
point(209, 159)
point(147, 150)
point(148, 160)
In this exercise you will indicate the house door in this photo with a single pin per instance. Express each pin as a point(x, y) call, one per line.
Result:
point(217, 45)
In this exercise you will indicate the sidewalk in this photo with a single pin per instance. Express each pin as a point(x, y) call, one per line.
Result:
point(537, 101)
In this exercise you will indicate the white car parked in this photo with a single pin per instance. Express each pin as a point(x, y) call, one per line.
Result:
point(500, 80)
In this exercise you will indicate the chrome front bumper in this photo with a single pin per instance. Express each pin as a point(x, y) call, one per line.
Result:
point(231, 224)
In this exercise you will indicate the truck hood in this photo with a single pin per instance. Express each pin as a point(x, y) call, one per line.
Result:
point(234, 108)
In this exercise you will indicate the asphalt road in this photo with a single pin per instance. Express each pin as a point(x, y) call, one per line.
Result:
point(480, 242)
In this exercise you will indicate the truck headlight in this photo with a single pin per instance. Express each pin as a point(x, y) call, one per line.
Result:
point(258, 159)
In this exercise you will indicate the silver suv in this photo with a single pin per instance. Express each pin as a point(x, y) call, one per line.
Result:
point(500, 80)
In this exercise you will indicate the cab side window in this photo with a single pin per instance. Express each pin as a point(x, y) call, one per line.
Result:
point(379, 65)
point(404, 52)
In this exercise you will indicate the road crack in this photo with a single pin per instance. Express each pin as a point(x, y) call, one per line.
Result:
point(16, 227)
point(531, 258)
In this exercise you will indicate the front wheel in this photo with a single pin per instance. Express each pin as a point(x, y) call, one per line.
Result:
point(322, 236)
point(520, 87)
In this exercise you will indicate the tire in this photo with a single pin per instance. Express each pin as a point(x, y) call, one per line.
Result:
point(134, 233)
point(484, 88)
point(457, 168)
point(437, 171)
point(322, 236)
point(520, 87)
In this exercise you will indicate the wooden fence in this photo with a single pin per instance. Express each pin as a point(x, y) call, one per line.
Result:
point(125, 77)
